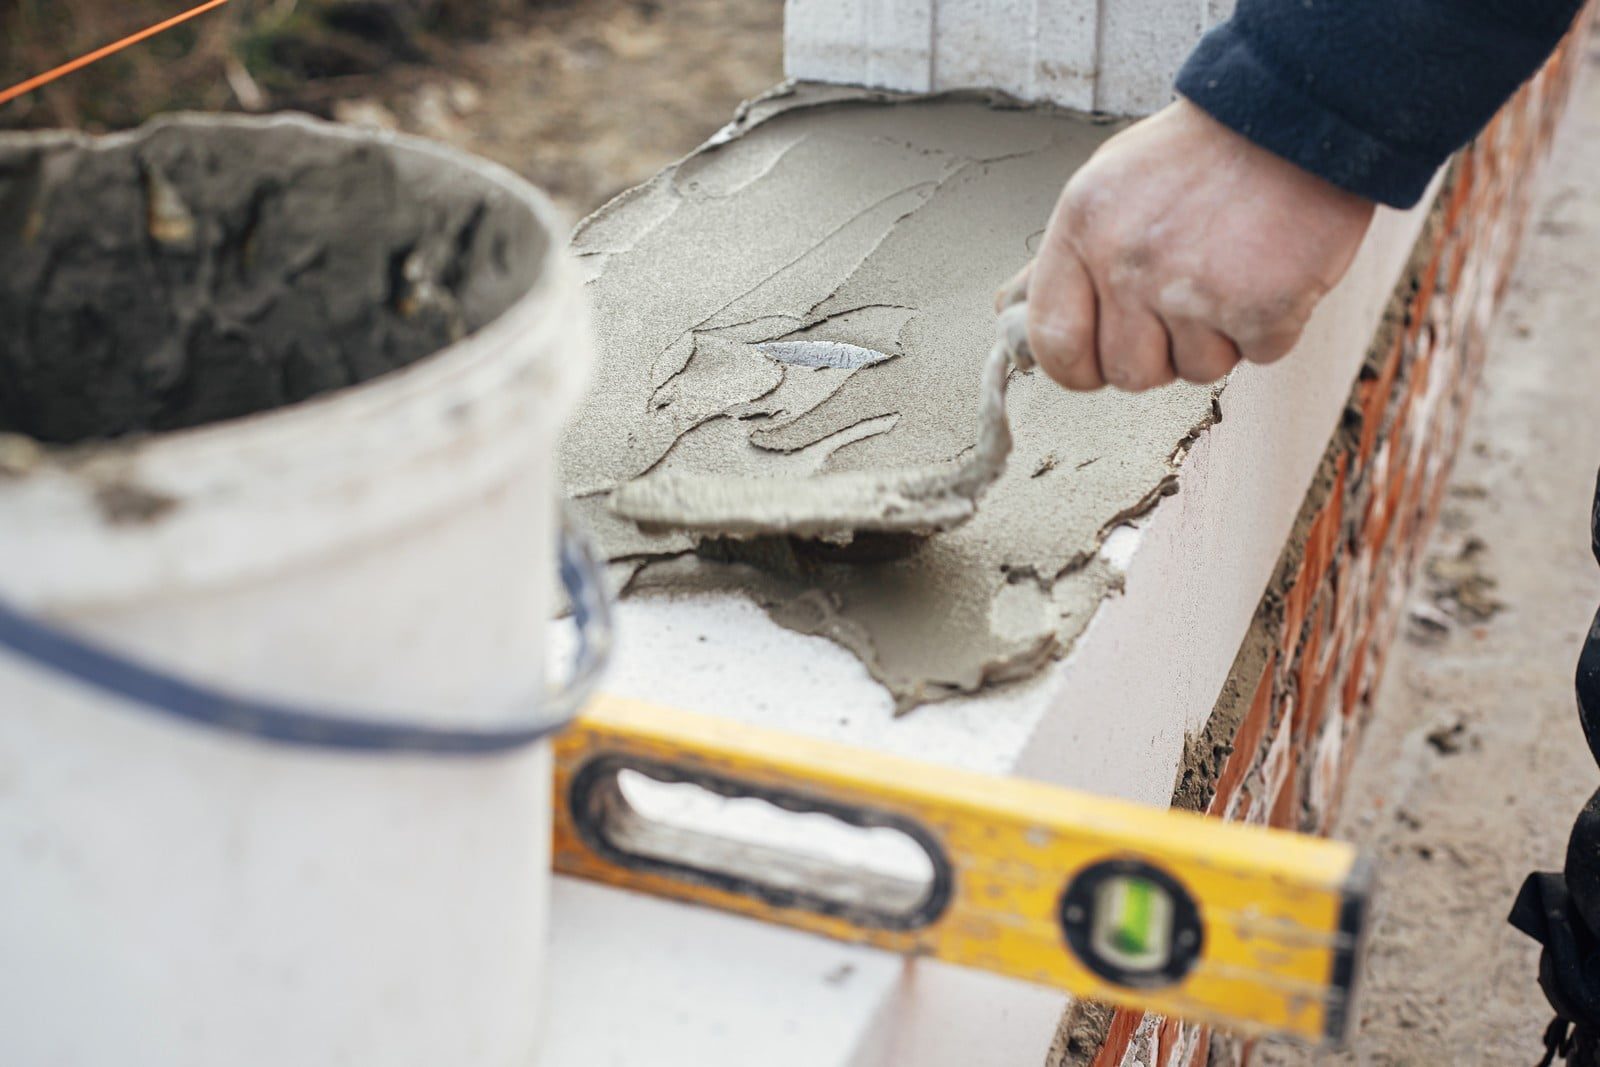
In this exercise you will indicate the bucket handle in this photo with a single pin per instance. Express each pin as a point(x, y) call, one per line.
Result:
point(154, 690)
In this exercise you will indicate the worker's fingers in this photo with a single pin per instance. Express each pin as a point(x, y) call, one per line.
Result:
point(1267, 347)
point(1135, 351)
point(1200, 353)
point(1014, 291)
point(1061, 319)
point(1266, 331)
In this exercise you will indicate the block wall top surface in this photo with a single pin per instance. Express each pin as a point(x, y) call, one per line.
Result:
point(1111, 716)
point(777, 229)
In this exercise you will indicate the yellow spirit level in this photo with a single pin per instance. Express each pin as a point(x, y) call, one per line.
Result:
point(1251, 929)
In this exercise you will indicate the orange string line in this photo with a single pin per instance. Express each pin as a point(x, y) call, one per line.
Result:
point(100, 53)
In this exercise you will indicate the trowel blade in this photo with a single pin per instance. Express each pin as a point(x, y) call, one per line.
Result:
point(835, 507)
point(828, 507)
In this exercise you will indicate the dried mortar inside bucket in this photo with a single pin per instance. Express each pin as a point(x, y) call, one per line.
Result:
point(205, 268)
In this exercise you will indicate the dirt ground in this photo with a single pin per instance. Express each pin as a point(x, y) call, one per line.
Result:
point(1475, 766)
point(584, 97)
point(590, 98)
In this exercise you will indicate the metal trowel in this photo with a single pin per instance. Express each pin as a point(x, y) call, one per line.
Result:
point(834, 508)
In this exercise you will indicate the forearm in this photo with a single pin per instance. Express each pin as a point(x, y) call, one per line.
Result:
point(1372, 95)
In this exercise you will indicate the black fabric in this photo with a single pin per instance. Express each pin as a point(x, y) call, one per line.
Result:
point(1562, 911)
point(1594, 529)
point(1557, 1041)
point(1569, 967)
point(1372, 95)
point(1589, 687)
point(1589, 659)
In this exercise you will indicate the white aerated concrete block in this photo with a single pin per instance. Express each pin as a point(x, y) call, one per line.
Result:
point(1115, 56)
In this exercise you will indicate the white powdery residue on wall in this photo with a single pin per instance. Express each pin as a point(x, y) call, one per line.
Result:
point(887, 44)
point(1114, 56)
point(1145, 1048)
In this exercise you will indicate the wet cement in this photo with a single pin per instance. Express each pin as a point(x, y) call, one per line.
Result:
point(838, 506)
point(199, 270)
point(840, 217)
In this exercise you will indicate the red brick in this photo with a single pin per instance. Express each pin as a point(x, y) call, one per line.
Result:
point(1305, 673)
point(1167, 1043)
point(1123, 1025)
point(1247, 740)
point(1276, 768)
point(1418, 311)
point(1317, 701)
point(1286, 805)
point(1295, 602)
point(1356, 690)
point(1462, 191)
point(1322, 538)
point(1375, 398)
point(1314, 692)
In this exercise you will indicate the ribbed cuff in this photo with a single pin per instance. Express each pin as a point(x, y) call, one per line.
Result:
point(1226, 79)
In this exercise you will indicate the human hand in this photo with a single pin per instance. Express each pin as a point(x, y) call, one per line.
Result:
point(1177, 250)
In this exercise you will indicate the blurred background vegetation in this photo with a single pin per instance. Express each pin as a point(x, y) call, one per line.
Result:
point(252, 54)
point(584, 97)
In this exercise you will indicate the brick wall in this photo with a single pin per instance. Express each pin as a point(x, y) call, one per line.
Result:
point(1280, 742)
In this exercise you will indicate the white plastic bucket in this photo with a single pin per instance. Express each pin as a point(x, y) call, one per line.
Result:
point(273, 789)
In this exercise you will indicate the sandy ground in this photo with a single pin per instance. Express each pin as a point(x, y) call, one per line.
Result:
point(587, 97)
point(1475, 765)
point(584, 97)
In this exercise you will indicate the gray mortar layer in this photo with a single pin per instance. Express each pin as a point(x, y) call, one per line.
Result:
point(202, 268)
point(883, 222)
point(839, 506)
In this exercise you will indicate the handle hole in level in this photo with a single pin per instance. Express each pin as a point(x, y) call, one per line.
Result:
point(876, 869)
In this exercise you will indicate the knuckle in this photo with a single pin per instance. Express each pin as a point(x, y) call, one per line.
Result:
point(1185, 296)
point(1267, 346)
point(1055, 320)
point(1055, 345)
point(1267, 325)
point(1205, 368)
point(1046, 340)
point(1063, 347)
point(1130, 376)
point(1269, 351)
point(1085, 206)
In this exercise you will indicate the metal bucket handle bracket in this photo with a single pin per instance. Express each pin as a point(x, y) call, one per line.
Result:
point(154, 690)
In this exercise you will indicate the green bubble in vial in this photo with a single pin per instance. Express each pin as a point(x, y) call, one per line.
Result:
point(1135, 931)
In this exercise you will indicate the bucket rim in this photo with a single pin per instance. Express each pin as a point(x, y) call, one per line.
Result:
point(480, 404)
point(544, 211)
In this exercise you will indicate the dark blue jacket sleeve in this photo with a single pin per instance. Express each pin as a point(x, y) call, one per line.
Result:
point(1372, 95)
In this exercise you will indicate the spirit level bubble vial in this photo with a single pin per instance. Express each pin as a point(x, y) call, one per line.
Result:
point(1132, 923)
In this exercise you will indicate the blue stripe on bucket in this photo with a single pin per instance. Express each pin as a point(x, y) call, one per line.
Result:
point(154, 690)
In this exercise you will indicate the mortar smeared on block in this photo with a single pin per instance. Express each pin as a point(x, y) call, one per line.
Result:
point(809, 297)
point(836, 507)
